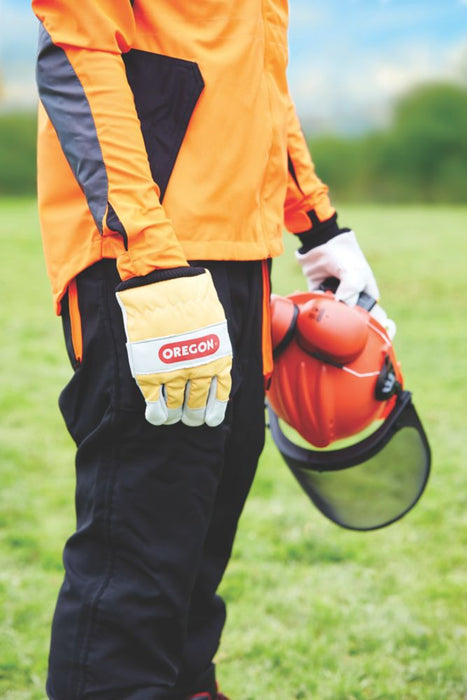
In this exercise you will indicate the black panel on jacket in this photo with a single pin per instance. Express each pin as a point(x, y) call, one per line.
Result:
point(63, 95)
point(166, 91)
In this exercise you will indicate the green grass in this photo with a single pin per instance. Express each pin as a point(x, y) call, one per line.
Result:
point(315, 611)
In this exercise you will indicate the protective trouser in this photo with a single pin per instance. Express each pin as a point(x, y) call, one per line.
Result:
point(157, 507)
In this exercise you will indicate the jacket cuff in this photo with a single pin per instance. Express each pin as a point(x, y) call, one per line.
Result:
point(160, 276)
point(319, 233)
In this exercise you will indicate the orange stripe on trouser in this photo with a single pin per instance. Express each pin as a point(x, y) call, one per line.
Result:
point(266, 325)
point(75, 321)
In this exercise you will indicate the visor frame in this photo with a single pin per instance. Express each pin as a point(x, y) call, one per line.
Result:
point(301, 460)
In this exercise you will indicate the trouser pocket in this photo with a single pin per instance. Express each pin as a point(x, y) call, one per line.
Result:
point(95, 340)
point(72, 326)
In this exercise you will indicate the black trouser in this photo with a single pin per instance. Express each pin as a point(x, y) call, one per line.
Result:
point(157, 508)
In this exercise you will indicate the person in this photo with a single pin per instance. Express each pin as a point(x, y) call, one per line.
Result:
point(170, 157)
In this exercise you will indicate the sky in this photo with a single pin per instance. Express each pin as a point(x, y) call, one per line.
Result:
point(349, 60)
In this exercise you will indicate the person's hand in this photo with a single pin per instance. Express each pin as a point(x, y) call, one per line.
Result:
point(178, 346)
point(339, 257)
point(383, 319)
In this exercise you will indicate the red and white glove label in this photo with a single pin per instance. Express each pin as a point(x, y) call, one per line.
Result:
point(190, 349)
point(205, 346)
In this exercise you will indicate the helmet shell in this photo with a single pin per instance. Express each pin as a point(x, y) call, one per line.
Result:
point(325, 377)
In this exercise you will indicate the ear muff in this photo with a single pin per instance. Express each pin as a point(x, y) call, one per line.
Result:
point(334, 331)
point(284, 314)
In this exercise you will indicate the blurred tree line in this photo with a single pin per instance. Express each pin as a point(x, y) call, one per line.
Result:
point(421, 157)
point(17, 153)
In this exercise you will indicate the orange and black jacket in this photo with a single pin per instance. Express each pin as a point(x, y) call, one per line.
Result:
point(167, 134)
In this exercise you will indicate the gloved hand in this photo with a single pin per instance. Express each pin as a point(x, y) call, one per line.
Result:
point(383, 319)
point(339, 257)
point(178, 345)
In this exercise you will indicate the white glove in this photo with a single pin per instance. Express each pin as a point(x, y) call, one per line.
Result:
point(381, 316)
point(339, 257)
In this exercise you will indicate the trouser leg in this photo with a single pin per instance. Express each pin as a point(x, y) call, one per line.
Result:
point(144, 502)
point(243, 447)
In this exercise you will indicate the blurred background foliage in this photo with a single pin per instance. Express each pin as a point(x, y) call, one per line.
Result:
point(420, 158)
point(17, 153)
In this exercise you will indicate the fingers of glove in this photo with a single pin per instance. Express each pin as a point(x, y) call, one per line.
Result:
point(340, 257)
point(371, 287)
point(315, 266)
point(219, 396)
point(215, 409)
point(349, 289)
point(212, 413)
point(174, 415)
point(174, 394)
point(156, 411)
point(164, 395)
point(353, 265)
point(206, 397)
point(193, 417)
point(224, 381)
point(196, 396)
point(353, 281)
point(156, 407)
point(390, 328)
point(314, 282)
point(388, 324)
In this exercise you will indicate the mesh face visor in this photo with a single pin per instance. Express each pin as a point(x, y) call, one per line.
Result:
point(372, 483)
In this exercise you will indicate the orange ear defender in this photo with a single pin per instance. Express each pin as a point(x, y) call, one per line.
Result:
point(328, 358)
point(335, 375)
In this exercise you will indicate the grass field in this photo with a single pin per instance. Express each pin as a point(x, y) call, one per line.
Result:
point(315, 612)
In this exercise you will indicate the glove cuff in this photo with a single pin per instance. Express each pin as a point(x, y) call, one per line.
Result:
point(161, 275)
point(321, 232)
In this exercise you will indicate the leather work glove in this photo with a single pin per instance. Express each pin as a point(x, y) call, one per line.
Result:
point(178, 345)
point(339, 257)
point(383, 319)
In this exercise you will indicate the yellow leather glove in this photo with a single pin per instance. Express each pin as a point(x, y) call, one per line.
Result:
point(178, 345)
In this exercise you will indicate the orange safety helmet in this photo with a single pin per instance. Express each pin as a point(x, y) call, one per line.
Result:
point(336, 375)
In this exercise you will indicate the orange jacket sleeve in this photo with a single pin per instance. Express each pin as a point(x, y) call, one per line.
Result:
point(307, 202)
point(84, 89)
